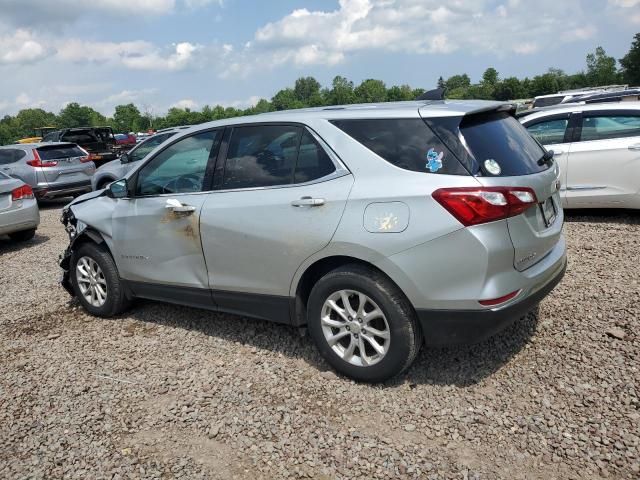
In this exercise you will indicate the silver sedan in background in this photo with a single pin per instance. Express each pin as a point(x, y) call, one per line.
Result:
point(19, 215)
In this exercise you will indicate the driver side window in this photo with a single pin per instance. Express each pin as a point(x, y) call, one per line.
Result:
point(180, 168)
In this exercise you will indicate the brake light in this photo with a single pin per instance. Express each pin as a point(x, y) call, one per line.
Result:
point(473, 206)
point(37, 161)
point(497, 301)
point(87, 156)
point(21, 193)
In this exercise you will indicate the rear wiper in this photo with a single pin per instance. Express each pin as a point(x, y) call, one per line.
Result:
point(546, 158)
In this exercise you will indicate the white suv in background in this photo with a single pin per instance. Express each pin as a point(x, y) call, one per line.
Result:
point(598, 150)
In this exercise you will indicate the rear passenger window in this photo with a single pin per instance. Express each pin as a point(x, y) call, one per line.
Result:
point(406, 143)
point(313, 162)
point(605, 127)
point(10, 155)
point(261, 156)
point(549, 132)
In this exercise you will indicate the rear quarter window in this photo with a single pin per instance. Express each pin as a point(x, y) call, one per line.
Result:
point(407, 143)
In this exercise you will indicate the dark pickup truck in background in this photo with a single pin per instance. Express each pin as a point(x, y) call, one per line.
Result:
point(99, 142)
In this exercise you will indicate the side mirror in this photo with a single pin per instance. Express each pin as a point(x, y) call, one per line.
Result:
point(118, 189)
point(124, 158)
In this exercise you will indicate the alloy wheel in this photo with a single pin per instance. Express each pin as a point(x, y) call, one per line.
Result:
point(91, 281)
point(355, 328)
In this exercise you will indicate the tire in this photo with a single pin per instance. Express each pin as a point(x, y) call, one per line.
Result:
point(110, 299)
point(398, 323)
point(23, 235)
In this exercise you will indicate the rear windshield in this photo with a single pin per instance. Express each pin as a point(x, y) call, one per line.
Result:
point(60, 151)
point(547, 102)
point(407, 143)
point(482, 141)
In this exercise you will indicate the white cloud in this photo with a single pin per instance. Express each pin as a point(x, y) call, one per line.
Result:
point(185, 103)
point(139, 55)
point(329, 37)
point(20, 47)
point(624, 3)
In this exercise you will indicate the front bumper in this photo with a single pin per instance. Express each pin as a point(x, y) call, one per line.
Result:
point(459, 327)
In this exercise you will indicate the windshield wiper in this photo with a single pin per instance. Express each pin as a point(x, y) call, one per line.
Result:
point(546, 158)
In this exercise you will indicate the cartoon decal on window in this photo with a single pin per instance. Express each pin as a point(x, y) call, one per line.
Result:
point(492, 166)
point(434, 160)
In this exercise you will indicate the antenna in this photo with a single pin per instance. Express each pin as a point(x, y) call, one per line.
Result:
point(436, 94)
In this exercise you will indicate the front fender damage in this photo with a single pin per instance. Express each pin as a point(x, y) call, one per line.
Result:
point(76, 230)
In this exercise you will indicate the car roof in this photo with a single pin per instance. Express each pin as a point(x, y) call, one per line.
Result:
point(580, 107)
point(409, 109)
point(29, 146)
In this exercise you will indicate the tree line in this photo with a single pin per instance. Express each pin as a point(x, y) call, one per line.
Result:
point(601, 69)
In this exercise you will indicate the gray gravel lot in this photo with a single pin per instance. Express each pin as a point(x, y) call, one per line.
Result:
point(168, 391)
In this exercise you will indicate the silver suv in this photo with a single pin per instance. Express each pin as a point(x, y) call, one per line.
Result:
point(50, 169)
point(375, 226)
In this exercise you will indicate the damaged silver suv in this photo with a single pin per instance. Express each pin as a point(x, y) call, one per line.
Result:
point(378, 227)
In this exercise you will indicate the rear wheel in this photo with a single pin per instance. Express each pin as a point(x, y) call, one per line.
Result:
point(23, 235)
point(96, 283)
point(363, 324)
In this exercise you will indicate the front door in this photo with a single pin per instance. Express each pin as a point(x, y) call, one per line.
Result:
point(280, 201)
point(604, 165)
point(157, 230)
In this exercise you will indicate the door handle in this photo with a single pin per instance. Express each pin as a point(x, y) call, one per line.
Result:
point(179, 208)
point(557, 152)
point(308, 202)
point(635, 147)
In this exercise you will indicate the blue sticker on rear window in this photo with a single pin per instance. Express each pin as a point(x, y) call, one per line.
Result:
point(434, 160)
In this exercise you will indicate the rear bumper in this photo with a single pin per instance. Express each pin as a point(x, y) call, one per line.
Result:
point(455, 327)
point(17, 220)
point(63, 190)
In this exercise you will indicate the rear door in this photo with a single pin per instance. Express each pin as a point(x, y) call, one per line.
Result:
point(604, 162)
point(554, 133)
point(499, 151)
point(280, 194)
point(68, 164)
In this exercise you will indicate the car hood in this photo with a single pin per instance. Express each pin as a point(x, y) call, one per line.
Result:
point(87, 196)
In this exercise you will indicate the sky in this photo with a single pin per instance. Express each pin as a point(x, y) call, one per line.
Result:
point(190, 53)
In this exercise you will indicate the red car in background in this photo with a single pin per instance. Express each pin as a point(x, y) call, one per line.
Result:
point(125, 141)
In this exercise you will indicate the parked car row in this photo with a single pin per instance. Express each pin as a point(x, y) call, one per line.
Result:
point(19, 214)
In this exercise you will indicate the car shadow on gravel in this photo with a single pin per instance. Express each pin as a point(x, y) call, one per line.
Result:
point(7, 245)
point(605, 215)
point(460, 366)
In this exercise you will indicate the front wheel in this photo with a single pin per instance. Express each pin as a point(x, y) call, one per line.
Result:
point(96, 282)
point(363, 324)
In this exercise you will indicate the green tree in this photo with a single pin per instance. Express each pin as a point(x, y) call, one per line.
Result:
point(307, 92)
point(127, 118)
point(509, 89)
point(371, 91)
point(76, 115)
point(631, 63)
point(601, 68)
point(286, 99)
point(400, 93)
point(341, 92)
point(441, 83)
point(458, 81)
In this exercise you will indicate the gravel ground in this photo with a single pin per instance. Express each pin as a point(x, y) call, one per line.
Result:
point(168, 391)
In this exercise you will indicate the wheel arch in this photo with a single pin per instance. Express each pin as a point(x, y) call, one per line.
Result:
point(314, 272)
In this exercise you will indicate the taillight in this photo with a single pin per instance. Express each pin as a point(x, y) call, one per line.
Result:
point(21, 193)
point(87, 156)
point(37, 161)
point(473, 206)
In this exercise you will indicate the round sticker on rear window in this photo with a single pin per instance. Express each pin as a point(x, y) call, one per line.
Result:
point(492, 166)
